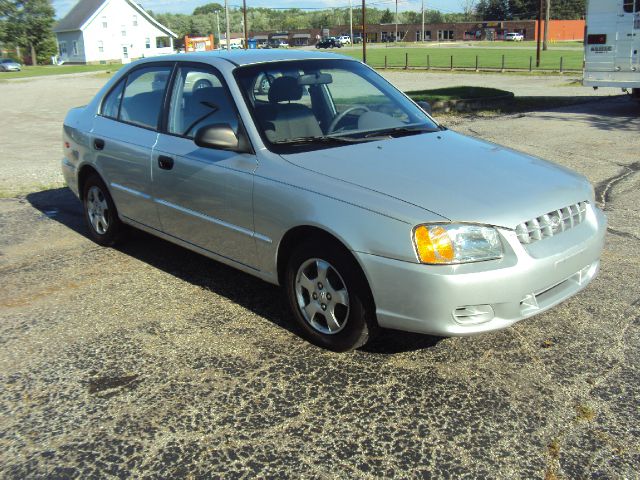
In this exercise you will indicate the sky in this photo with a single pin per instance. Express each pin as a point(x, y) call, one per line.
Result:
point(187, 6)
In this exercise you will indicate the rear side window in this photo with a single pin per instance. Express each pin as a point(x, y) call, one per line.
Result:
point(138, 98)
point(143, 95)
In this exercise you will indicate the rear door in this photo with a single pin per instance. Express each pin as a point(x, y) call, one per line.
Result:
point(204, 196)
point(625, 35)
point(124, 134)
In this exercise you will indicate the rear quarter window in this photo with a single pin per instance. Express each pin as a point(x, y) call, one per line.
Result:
point(111, 103)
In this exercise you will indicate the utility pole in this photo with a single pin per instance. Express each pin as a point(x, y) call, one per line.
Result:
point(218, 29)
point(351, 22)
point(539, 33)
point(226, 16)
point(244, 20)
point(422, 31)
point(546, 25)
point(396, 37)
point(364, 35)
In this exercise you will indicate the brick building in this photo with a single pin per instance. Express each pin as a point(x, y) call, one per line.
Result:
point(559, 30)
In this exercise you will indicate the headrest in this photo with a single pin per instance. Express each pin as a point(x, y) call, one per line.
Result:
point(285, 88)
point(205, 94)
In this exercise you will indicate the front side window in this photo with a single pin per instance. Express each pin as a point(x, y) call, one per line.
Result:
point(199, 98)
point(141, 101)
point(313, 104)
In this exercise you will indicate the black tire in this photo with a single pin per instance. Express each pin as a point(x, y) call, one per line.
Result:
point(105, 235)
point(317, 46)
point(358, 319)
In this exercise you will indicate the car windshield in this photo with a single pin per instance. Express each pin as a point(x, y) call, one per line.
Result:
point(311, 104)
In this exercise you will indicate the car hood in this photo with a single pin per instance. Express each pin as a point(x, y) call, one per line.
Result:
point(454, 176)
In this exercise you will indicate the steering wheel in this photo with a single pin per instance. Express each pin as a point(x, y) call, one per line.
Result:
point(338, 118)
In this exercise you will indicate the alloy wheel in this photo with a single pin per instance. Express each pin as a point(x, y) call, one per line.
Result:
point(97, 210)
point(322, 296)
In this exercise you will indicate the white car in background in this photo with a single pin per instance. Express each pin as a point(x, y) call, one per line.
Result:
point(344, 39)
point(513, 37)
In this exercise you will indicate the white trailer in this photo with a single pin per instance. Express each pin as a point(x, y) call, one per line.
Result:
point(612, 45)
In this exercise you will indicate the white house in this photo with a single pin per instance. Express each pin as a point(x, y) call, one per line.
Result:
point(100, 31)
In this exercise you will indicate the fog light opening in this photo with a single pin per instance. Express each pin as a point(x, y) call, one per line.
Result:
point(473, 314)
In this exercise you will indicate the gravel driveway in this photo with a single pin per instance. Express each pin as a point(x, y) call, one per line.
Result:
point(151, 361)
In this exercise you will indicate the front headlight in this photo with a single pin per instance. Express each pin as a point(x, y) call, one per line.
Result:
point(456, 243)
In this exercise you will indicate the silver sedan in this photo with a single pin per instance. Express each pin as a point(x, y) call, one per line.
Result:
point(9, 65)
point(310, 171)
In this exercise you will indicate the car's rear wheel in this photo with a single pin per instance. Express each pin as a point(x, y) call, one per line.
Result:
point(329, 297)
point(100, 212)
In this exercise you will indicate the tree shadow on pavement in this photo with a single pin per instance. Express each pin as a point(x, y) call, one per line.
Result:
point(619, 113)
point(262, 298)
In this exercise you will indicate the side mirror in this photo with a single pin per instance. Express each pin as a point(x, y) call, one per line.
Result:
point(425, 106)
point(221, 137)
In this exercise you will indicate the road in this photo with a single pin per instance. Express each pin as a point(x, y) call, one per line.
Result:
point(151, 361)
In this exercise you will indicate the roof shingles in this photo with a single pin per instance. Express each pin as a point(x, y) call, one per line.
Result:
point(78, 15)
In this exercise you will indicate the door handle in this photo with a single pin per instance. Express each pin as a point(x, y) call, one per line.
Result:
point(98, 143)
point(165, 163)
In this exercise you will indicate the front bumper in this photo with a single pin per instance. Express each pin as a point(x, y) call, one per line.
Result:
point(478, 297)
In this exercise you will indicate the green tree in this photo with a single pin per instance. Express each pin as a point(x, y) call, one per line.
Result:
point(493, 9)
point(387, 17)
point(433, 16)
point(10, 31)
point(410, 17)
point(208, 8)
point(37, 18)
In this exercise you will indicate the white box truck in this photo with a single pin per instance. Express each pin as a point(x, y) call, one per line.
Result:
point(612, 45)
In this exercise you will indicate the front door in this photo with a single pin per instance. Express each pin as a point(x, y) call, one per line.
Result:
point(204, 196)
point(125, 54)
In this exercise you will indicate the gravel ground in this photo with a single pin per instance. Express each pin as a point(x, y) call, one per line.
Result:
point(151, 361)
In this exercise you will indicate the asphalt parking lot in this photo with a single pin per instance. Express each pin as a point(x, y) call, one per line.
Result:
point(151, 361)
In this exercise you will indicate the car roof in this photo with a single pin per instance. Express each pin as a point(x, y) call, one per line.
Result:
point(248, 57)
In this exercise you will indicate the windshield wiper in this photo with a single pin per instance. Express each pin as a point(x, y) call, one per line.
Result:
point(400, 131)
point(319, 140)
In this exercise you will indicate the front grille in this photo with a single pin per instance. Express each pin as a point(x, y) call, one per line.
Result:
point(551, 223)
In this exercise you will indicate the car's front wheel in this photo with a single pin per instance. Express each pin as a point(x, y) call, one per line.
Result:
point(100, 212)
point(329, 297)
